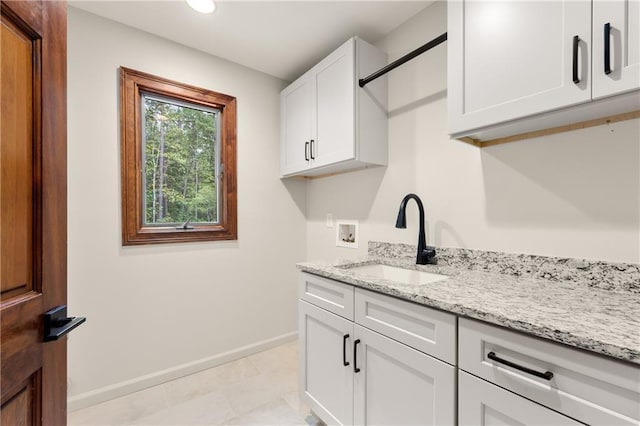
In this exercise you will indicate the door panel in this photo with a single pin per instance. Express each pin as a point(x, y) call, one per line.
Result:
point(23, 408)
point(482, 403)
point(16, 161)
point(398, 385)
point(515, 59)
point(334, 94)
point(326, 384)
point(32, 209)
point(624, 39)
point(295, 126)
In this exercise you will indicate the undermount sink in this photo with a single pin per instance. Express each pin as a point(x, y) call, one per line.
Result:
point(400, 275)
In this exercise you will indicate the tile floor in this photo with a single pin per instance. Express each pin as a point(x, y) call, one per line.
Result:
point(261, 389)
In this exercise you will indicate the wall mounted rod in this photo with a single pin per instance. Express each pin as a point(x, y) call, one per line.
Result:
point(406, 58)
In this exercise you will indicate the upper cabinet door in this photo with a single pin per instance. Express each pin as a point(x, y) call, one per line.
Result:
point(295, 125)
point(510, 59)
point(616, 47)
point(334, 85)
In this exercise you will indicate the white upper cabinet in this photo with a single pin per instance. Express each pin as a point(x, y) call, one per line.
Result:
point(326, 373)
point(616, 47)
point(296, 124)
point(334, 80)
point(521, 66)
point(328, 123)
point(513, 59)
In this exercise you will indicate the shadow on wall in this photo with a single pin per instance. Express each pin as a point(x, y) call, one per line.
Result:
point(347, 195)
point(441, 228)
point(297, 189)
point(570, 180)
point(418, 103)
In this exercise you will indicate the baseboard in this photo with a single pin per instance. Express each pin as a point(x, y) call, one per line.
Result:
point(116, 390)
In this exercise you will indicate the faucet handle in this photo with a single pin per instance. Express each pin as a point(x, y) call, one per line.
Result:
point(429, 252)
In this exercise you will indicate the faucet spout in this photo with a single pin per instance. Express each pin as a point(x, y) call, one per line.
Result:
point(425, 253)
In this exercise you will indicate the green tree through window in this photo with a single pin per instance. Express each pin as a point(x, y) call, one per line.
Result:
point(180, 167)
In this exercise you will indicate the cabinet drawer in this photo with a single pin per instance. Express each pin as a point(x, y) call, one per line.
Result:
point(430, 331)
point(593, 389)
point(331, 295)
point(481, 403)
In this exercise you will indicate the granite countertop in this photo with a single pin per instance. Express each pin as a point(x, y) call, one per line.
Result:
point(557, 299)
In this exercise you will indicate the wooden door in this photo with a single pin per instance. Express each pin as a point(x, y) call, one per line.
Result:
point(33, 210)
point(326, 383)
point(398, 385)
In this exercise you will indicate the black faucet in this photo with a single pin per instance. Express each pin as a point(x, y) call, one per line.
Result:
point(425, 253)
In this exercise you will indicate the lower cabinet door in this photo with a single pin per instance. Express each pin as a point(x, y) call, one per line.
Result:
point(483, 403)
point(398, 385)
point(326, 345)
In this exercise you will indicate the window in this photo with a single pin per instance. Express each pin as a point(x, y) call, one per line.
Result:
point(178, 161)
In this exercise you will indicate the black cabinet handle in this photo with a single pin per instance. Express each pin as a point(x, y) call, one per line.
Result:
point(607, 48)
point(547, 375)
point(576, 42)
point(306, 151)
point(344, 350)
point(355, 356)
point(312, 157)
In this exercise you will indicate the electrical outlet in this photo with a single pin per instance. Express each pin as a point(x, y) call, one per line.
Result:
point(329, 220)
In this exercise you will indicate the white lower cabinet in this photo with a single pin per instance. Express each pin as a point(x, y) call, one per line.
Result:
point(350, 374)
point(592, 389)
point(398, 385)
point(371, 359)
point(482, 403)
point(326, 384)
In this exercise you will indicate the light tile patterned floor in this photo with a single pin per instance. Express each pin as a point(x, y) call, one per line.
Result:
point(261, 389)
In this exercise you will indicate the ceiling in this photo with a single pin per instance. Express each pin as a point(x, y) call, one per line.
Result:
point(280, 38)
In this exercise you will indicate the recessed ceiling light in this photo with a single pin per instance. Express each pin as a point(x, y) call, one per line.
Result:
point(202, 6)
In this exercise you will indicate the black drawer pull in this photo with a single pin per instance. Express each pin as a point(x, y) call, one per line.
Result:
point(607, 48)
point(547, 375)
point(576, 42)
point(355, 357)
point(306, 151)
point(311, 150)
point(344, 350)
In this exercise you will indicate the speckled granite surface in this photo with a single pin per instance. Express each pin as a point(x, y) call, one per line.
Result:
point(594, 273)
point(558, 299)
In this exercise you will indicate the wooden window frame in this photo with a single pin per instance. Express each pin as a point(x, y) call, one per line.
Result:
point(134, 231)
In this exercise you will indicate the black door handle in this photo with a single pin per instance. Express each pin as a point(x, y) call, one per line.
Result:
point(547, 375)
point(607, 48)
point(576, 42)
point(57, 324)
point(306, 151)
point(344, 350)
point(311, 149)
point(355, 356)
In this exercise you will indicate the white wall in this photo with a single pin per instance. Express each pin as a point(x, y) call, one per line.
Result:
point(159, 311)
point(164, 309)
point(575, 194)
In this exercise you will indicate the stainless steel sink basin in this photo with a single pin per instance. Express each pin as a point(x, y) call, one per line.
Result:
point(399, 275)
